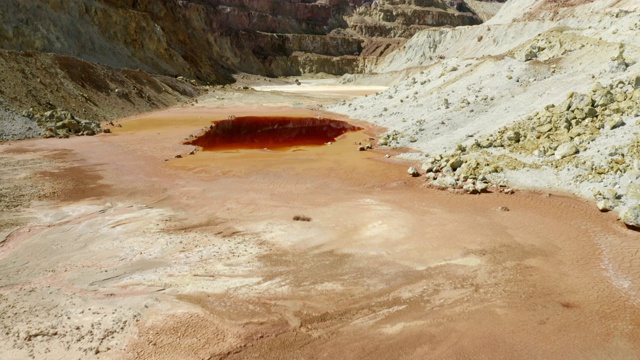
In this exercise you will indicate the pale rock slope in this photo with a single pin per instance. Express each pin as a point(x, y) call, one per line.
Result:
point(545, 95)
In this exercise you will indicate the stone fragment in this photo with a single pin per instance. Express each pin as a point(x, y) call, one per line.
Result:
point(603, 98)
point(482, 187)
point(445, 182)
point(470, 189)
point(413, 172)
point(513, 136)
point(455, 164)
point(484, 143)
point(605, 205)
point(545, 128)
point(631, 216)
point(590, 112)
point(614, 122)
point(530, 54)
point(565, 150)
point(580, 101)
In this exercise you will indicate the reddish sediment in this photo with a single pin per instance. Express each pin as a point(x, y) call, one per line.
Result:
point(271, 132)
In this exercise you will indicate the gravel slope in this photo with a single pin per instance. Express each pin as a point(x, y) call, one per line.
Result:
point(462, 86)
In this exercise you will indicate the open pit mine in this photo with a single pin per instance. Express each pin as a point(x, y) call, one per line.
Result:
point(319, 179)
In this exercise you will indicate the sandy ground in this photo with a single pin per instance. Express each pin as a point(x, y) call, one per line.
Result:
point(319, 86)
point(113, 248)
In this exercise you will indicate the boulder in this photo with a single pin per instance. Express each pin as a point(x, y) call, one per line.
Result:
point(580, 101)
point(545, 128)
point(68, 124)
point(482, 187)
point(413, 172)
point(470, 189)
point(565, 150)
point(530, 54)
point(603, 98)
point(590, 112)
point(455, 164)
point(631, 216)
point(614, 122)
point(445, 182)
point(513, 136)
point(605, 205)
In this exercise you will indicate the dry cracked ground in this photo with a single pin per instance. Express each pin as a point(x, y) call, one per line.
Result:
point(113, 248)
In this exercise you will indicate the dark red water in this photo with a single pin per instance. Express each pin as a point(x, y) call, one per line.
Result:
point(259, 132)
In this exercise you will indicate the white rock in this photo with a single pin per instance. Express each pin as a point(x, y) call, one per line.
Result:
point(470, 188)
point(605, 205)
point(565, 150)
point(615, 122)
point(413, 171)
point(631, 216)
point(482, 187)
point(445, 182)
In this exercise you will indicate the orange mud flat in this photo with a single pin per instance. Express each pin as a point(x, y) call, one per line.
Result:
point(200, 254)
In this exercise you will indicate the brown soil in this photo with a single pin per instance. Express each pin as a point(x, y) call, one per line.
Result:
point(42, 82)
point(199, 257)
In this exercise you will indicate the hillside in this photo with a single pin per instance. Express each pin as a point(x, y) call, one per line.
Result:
point(104, 59)
point(545, 95)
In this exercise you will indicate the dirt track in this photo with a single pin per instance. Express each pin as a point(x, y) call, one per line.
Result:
point(137, 254)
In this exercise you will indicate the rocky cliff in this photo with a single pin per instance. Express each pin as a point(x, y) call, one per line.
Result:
point(403, 18)
point(210, 39)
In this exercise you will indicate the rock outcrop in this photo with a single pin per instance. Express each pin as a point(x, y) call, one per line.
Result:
point(403, 18)
point(210, 39)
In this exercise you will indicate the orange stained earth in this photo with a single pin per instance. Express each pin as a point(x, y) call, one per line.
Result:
point(387, 268)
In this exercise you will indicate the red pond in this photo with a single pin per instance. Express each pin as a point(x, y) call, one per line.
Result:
point(259, 132)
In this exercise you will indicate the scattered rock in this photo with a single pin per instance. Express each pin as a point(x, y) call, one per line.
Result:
point(512, 137)
point(605, 205)
point(530, 54)
point(566, 150)
point(301, 218)
point(503, 208)
point(470, 189)
point(62, 124)
point(445, 182)
point(631, 216)
point(121, 93)
point(482, 187)
point(614, 122)
point(413, 172)
point(455, 164)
